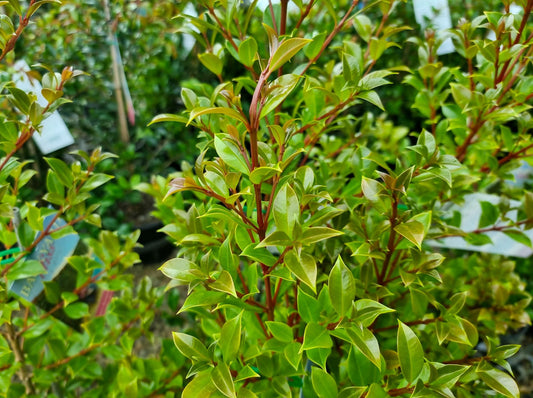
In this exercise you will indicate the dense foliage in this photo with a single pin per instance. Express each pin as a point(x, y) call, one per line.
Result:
point(306, 224)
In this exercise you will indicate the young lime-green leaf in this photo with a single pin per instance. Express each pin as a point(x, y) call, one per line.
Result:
point(200, 386)
point(341, 287)
point(181, 270)
point(264, 173)
point(202, 298)
point(246, 373)
point(286, 209)
point(219, 110)
point(230, 338)
point(221, 377)
point(499, 381)
point(62, 171)
point(410, 352)
point(315, 336)
point(371, 189)
point(211, 62)
point(224, 283)
point(303, 266)
point(285, 51)
point(308, 307)
point(280, 331)
point(276, 238)
point(368, 310)
point(324, 384)
point(367, 343)
point(373, 98)
point(248, 51)
point(190, 347)
point(168, 117)
point(25, 269)
point(259, 254)
point(278, 91)
point(448, 375)
point(77, 310)
point(230, 153)
point(316, 234)
point(292, 354)
point(413, 231)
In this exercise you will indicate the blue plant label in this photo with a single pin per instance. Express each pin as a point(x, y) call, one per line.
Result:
point(52, 254)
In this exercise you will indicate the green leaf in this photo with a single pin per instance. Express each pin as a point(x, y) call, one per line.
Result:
point(368, 310)
point(367, 343)
point(221, 377)
point(489, 214)
point(413, 231)
point(308, 307)
point(373, 98)
point(410, 352)
point(230, 338)
point(292, 354)
point(230, 112)
point(278, 91)
point(191, 347)
point(229, 152)
point(341, 287)
point(264, 173)
point(280, 331)
point(181, 270)
point(315, 336)
point(303, 266)
point(62, 171)
point(259, 254)
point(286, 50)
point(248, 51)
point(211, 62)
point(447, 375)
point(25, 269)
point(361, 370)
point(499, 381)
point(518, 236)
point(202, 298)
point(371, 189)
point(316, 234)
point(77, 310)
point(200, 386)
point(224, 283)
point(168, 117)
point(286, 209)
point(276, 238)
point(324, 384)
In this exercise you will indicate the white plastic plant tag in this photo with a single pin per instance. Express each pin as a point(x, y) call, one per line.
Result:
point(470, 216)
point(435, 14)
point(54, 133)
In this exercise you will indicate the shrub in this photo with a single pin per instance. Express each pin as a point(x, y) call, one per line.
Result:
point(306, 240)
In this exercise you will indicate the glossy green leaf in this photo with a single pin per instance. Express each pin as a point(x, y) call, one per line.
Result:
point(221, 377)
point(211, 62)
point(278, 91)
point(280, 331)
point(230, 112)
point(230, 338)
point(324, 384)
point(286, 209)
point(248, 51)
point(341, 287)
point(410, 352)
point(25, 269)
point(260, 174)
point(190, 347)
point(368, 310)
point(276, 238)
point(181, 270)
point(315, 336)
point(499, 381)
point(168, 117)
point(200, 386)
point(230, 153)
point(202, 298)
point(367, 343)
point(224, 283)
point(303, 266)
point(62, 171)
point(285, 51)
point(308, 307)
point(259, 254)
point(77, 310)
point(316, 234)
point(413, 231)
point(489, 214)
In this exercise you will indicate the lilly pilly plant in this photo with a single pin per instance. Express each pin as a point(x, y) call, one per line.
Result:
point(304, 244)
point(62, 346)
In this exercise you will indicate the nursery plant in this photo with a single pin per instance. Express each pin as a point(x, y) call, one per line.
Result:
point(71, 338)
point(309, 238)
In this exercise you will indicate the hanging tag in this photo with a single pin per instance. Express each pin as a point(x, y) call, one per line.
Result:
point(435, 14)
point(54, 133)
